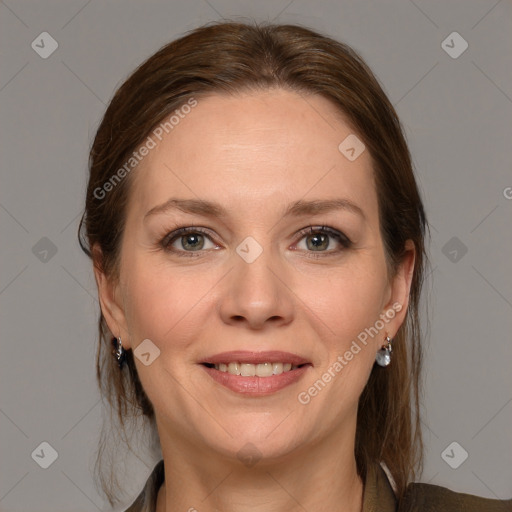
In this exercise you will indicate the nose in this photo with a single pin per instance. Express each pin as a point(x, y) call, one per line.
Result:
point(256, 294)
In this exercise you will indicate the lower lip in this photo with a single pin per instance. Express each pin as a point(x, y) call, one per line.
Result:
point(256, 386)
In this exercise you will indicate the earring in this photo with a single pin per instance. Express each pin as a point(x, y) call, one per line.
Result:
point(118, 352)
point(383, 356)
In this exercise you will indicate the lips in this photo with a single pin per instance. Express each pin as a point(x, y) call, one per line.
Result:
point(243, 356)
point(256, 373)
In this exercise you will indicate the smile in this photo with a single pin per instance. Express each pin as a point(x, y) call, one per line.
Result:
point(255, 370)
point(256, 374)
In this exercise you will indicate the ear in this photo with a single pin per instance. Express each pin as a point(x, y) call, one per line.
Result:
point(110, 299)
point(400, 287)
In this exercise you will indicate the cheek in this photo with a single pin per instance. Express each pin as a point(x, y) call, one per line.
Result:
point(159, 302)
point(350, 307)
point(349, 299)
point(145, 299)
point(350, 303)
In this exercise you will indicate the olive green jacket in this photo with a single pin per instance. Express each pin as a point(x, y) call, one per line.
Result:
point(378, 496)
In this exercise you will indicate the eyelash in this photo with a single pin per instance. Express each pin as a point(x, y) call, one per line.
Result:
point(169, 238)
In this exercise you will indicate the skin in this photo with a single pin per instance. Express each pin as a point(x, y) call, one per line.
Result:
point(260, 148)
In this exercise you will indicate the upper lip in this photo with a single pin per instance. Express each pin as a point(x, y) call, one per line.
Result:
point(245, 356)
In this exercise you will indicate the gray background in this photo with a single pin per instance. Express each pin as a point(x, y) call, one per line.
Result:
point(458, 117)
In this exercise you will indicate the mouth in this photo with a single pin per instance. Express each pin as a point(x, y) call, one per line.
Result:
point(256, 374)
point(262, 370)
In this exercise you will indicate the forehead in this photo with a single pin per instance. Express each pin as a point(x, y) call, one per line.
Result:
point(272, 145)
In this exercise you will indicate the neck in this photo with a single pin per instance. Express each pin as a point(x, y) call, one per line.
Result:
point(318, 480)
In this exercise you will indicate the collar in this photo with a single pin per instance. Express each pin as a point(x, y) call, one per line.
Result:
point(378, 494)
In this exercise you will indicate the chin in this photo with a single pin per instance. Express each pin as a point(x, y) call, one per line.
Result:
point(257, 443)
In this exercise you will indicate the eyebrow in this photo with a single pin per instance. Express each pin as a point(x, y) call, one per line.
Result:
point(296, 209)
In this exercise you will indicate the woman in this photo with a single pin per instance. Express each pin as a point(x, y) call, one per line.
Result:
point(258, 245)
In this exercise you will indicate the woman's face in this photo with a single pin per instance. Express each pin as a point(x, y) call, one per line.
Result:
point(252, 283)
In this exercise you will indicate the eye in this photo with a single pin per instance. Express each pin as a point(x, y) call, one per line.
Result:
point(319, 239)
point(187, 240)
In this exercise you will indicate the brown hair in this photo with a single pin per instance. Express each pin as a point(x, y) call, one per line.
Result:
point(228, 58)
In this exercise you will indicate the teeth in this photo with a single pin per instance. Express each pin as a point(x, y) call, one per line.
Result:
point(233, 368)
point(264, 370)
point(247, 370)
point(277, 368)
point(255, 370)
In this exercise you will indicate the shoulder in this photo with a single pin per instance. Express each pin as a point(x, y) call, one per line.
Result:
point(421, 497)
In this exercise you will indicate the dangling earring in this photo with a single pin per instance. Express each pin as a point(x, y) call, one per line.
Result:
point(119, 352)
point(383, 356)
